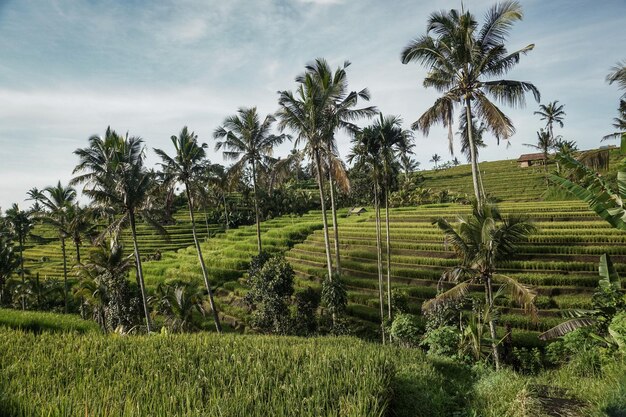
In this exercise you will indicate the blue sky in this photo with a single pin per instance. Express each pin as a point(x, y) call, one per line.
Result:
point(68, 69)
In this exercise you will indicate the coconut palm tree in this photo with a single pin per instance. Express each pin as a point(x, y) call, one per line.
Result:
point(184, 167)
point(57, 202)
point(392, 142)
point(340, 114)
point(480, 241)
point(435, 159)
point(545, 142)
point(80, 224)
point(366, 153)
point(619, 123)
point(112, 169)
point(551, 113)
point(247, 140)
point(618, 76)
point(20, 225)
point(462, 59)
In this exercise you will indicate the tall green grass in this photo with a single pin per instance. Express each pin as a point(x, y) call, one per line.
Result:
point(36, 321)
point(190, 375)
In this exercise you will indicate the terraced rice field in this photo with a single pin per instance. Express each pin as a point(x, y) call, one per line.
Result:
point(560, 260)
point(227, 256)
point(45, 259)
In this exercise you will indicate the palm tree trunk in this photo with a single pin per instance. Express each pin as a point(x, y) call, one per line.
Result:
point(64, 274)
point(256, 207)
point(77, 246)
point(379, 262)
point(206, 220)
point(320, 183)
point(216, 318)
point(335, 225)
point(480, 183)
point(474, 163)
point(388, 236)
point(492, 324)
point(225, 210)
point(139, 269)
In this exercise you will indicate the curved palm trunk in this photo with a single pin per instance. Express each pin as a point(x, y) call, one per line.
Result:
point(474, 163)
point(64, 274)
point(139, 269)
point(216, 318)
point(480, 182)
point(335, 224)
point(256, 208)
point(492, 324)
point(388, 237)
point(206, 220)
point(379, 262)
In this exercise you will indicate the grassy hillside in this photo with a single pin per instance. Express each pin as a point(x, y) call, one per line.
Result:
point(70, 374)
point(504, 180)
point(560, 260)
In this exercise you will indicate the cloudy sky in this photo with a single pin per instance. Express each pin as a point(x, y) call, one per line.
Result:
point(70, 68)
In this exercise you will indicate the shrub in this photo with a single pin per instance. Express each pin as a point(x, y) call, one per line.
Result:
point(334, 295)
point(442, 341)
point(305, 320)
point(407, 330)
point(617, 330)
point(271, 287)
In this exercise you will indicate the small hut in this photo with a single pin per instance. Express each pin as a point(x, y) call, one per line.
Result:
point(530, 159)
point(358, 210)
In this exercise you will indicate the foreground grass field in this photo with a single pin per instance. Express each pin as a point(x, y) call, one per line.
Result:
point(72, 374)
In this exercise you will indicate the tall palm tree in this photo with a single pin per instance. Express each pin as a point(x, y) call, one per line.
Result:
point(551, 113)
point(480, 241)
point(184, 167)
point(545, 142)
point(249, 141)
point(462, 59)
point(303, 113)
point(619, 123)
point(340, 114)
point(435, 159)
point(20, 225)
point(618, 75)
point(57, 201)
point(112, 169)
point(366, 154)
point(80, 224)
point(392, 142)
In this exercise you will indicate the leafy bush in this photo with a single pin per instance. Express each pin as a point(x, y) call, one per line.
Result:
point(617, 330)
point(334, 295)
point(527, 361)
point(305, 320)
point(271, 286)
point(442, 341)
point(407, 330)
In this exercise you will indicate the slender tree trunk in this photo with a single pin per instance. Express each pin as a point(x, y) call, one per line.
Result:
point(225, 210)
point(480, 182)
point(335, 224)
point(320, 183)
point(216, 318)
point(379, 262)
point(256, 208)
point(388, 237)
point(64, 274)
point(77, 246)
point(21, 241)
point(206, 221)
point(470, 136)
point(492, 324)
point(139, 269)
